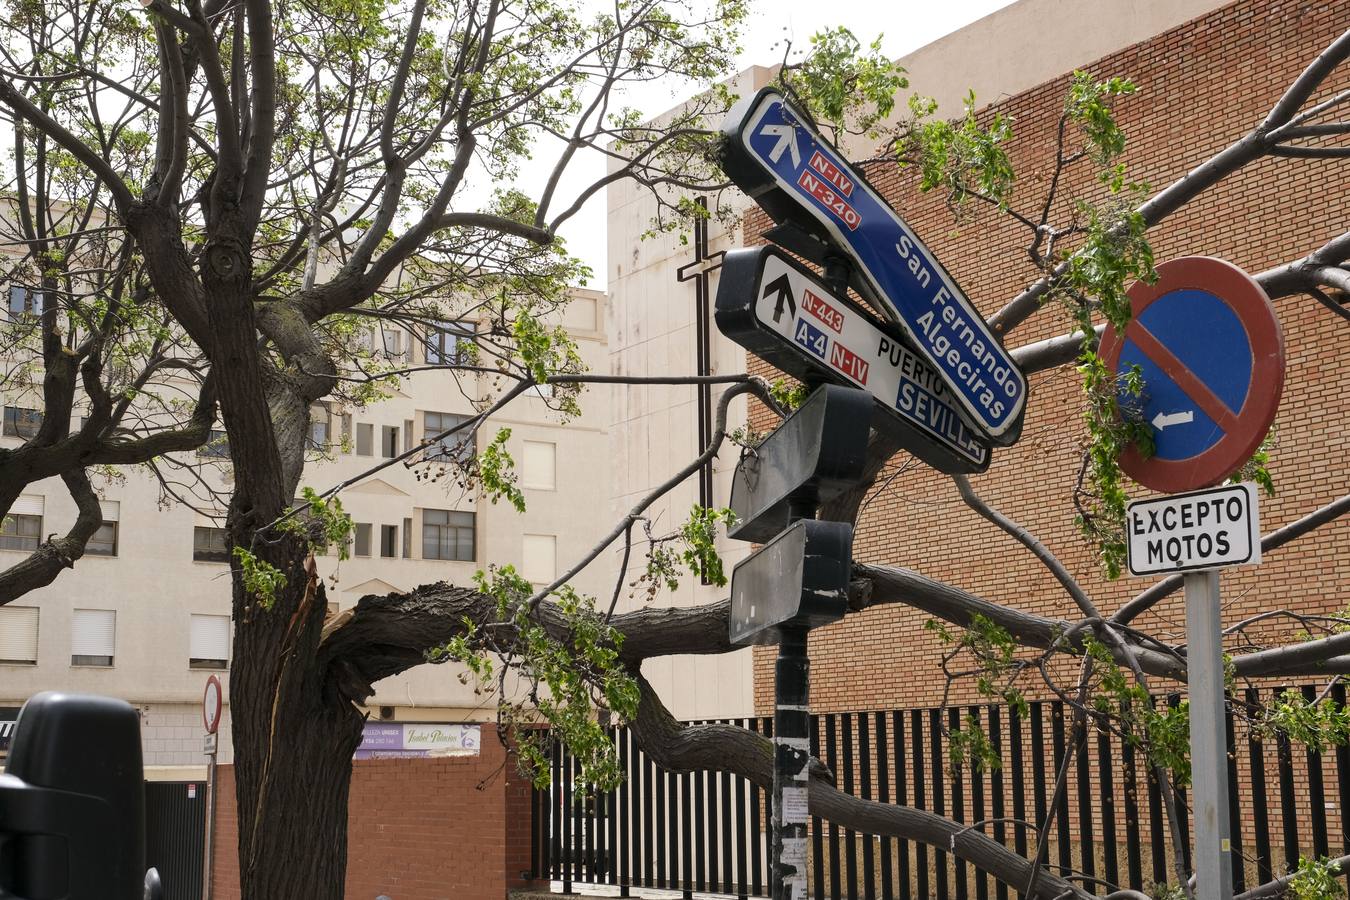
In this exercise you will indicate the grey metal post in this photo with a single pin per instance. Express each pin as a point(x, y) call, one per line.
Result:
point(208, 862)
point(792, 746)
point(1209, 744)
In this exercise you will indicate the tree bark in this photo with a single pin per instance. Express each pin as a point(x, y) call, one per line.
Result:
point(294, 739)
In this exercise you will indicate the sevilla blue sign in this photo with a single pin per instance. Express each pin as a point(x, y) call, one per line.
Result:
point(776, 156)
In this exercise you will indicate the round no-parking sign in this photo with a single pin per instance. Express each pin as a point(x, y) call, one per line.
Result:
point(1209, 348)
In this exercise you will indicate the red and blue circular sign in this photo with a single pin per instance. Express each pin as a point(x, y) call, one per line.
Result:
point(1211, 354)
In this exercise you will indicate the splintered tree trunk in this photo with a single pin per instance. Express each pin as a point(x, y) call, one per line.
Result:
point(293, 742)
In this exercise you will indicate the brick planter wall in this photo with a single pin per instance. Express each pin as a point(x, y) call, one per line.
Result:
point(418, 829)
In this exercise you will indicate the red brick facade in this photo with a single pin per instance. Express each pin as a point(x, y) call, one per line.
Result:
point(1201, 86)
point(418, 829)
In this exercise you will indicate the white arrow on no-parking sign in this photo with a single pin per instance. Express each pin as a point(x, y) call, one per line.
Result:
point(1162, 420)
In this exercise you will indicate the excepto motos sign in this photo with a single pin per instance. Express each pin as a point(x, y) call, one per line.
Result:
point(1205, 529)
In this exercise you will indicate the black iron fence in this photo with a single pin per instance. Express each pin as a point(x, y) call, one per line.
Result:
point(705, 831)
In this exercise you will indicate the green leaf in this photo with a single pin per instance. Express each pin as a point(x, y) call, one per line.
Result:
point(261, 579)
point(496, 471)
point(964, 158)
point(844, 84)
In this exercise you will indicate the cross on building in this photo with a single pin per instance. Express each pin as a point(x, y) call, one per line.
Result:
point(697, 271)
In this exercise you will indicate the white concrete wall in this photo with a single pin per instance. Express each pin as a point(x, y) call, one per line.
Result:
point(654, 428)
point(1030, 42)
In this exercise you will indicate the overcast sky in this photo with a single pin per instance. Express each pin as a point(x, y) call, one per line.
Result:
point(905, 26)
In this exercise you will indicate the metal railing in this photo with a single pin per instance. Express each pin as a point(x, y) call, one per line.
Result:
point(704, 832)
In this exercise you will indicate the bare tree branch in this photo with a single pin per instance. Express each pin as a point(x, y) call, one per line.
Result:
point(41, 567)
point(1258, 142)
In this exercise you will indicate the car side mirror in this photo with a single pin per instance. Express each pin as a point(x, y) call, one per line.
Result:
point(72, 803)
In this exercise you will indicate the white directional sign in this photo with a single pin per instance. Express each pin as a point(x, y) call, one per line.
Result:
point(1201, 530)
point(774, 154)
point(862, 353)
point(778, 310)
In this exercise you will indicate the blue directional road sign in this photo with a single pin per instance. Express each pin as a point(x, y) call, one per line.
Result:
point(776, 156)
point(1209, 349)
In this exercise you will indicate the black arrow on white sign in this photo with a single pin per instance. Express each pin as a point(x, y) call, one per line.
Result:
point(783, 286)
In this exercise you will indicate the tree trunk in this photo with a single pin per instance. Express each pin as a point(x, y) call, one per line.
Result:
point(294, 738)
point(294, 734)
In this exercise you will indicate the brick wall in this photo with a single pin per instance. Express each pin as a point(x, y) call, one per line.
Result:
point(418, 829)
point(1201, 86)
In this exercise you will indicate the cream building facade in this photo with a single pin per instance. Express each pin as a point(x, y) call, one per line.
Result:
point(146, 616)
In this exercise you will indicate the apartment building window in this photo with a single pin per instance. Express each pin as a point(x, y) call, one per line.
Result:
point(320, 426)
point(450, 344)
point(389, 541)
point(365, 439)
point(389, 441)
point(104, 541)
point(407, 538)
point(21, 528)
point(208, 641)
point(22, 422)
point(217, 446)
point(362, 541)
point(210, 544)
point(392, 341)
point(458, 446)
point(539, 557)
point(539, 465)
point(447, 534)
point(381, 341)
point(24, 301)
point(93, 635)
point(18, 635)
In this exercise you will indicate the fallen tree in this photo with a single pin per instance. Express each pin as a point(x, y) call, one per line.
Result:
point(281, 172)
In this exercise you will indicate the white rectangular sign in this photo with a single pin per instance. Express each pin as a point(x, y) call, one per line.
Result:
point(443, 740)
point(1205, 529)
point(866, 356)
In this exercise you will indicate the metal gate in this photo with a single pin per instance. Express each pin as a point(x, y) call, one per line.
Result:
point(704, 831)
point(175, 822)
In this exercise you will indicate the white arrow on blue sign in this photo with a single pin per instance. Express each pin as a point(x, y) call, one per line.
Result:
point(775, 155)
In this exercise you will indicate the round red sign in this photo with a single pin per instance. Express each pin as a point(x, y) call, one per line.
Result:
point(1209, 348)
point(211, 702)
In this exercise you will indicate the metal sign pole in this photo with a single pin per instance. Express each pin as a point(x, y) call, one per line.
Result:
point(212, 704)
point(1209, 745)
point(207, 867)
point(792, 746)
